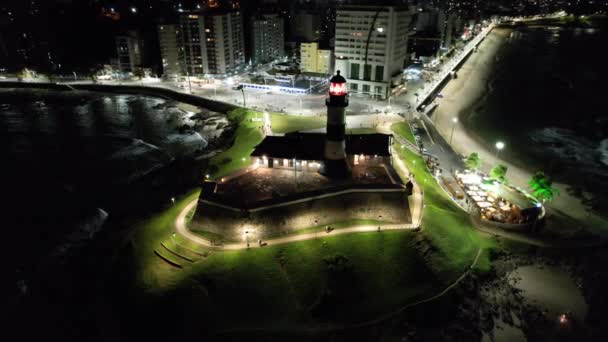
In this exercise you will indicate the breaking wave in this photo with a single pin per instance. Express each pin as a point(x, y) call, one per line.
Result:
point(574, 150)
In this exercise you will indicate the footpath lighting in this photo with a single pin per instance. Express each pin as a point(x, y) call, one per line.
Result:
point(499, 146)
point(454, 122)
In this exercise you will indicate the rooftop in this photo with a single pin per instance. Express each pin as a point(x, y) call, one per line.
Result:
point(310, 146)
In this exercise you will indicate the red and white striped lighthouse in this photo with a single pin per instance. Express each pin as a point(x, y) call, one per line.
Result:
point(335, 154)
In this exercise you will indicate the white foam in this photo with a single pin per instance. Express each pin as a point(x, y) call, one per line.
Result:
point(603, 151)
point(572, 149)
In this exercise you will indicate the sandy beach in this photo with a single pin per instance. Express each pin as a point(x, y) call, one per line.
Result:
point(461, 95)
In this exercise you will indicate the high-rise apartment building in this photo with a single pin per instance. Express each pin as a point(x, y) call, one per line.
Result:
point(305, 26)
point(267, 38)
point(313, 59)
point(169, 49)
point(129, 51)
point(371, 47)
point(211, 42)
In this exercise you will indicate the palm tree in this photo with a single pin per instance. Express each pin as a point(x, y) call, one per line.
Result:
point(473, 161)
point(542, 187)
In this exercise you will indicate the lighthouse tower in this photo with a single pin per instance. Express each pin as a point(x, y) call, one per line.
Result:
point(335, 154)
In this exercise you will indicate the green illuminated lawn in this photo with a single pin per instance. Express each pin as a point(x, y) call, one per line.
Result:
point(403, 129)
point(448, 226)
point(151, 271)
point(247, 136)
point(284, 123)
point(275, 287)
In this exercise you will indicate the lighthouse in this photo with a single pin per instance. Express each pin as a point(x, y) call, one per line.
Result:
point(335, 154)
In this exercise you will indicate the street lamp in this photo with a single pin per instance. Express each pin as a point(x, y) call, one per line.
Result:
point(242, 89)
point(499, 146)
point(300, 98)
point(454, 122)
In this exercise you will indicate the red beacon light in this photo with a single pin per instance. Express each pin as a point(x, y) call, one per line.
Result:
point(337, 85)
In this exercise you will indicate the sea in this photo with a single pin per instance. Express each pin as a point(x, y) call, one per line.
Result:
point(547, 101)
point(72, 160)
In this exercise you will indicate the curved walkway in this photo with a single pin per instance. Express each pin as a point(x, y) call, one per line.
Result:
point(416, 210)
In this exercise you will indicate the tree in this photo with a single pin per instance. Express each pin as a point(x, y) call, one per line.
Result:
point(473, 161)
point(139, 73)
point(542, 187)
point(498, 173)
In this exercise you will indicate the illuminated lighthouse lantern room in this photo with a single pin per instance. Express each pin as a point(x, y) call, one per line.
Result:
point(337, 88)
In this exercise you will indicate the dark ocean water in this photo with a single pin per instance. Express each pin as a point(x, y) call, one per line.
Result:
point(71, 160)
point(547, 101)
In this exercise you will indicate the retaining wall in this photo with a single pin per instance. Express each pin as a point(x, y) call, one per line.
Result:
point(212, 105)
point(278, 220)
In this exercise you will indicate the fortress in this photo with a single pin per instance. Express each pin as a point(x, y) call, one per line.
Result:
point(304, 180)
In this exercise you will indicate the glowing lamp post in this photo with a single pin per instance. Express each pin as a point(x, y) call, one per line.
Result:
point(454, 122)
point(335, 154)
point(499, 146)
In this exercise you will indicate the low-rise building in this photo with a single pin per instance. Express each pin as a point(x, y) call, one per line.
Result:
point(313, 59)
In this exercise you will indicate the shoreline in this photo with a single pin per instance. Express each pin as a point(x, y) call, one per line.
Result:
point(469, 90)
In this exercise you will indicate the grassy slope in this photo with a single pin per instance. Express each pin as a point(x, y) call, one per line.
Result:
point(152, 272)
point(448, 226)
point(247, 136)
point(403, 129)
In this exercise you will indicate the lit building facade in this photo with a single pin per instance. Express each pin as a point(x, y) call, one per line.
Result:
point(305, 26)
point(313, 59)
point(129, 51)
point(371, 47)
point(169, 47)
point(267, 38)
point(211, 43)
